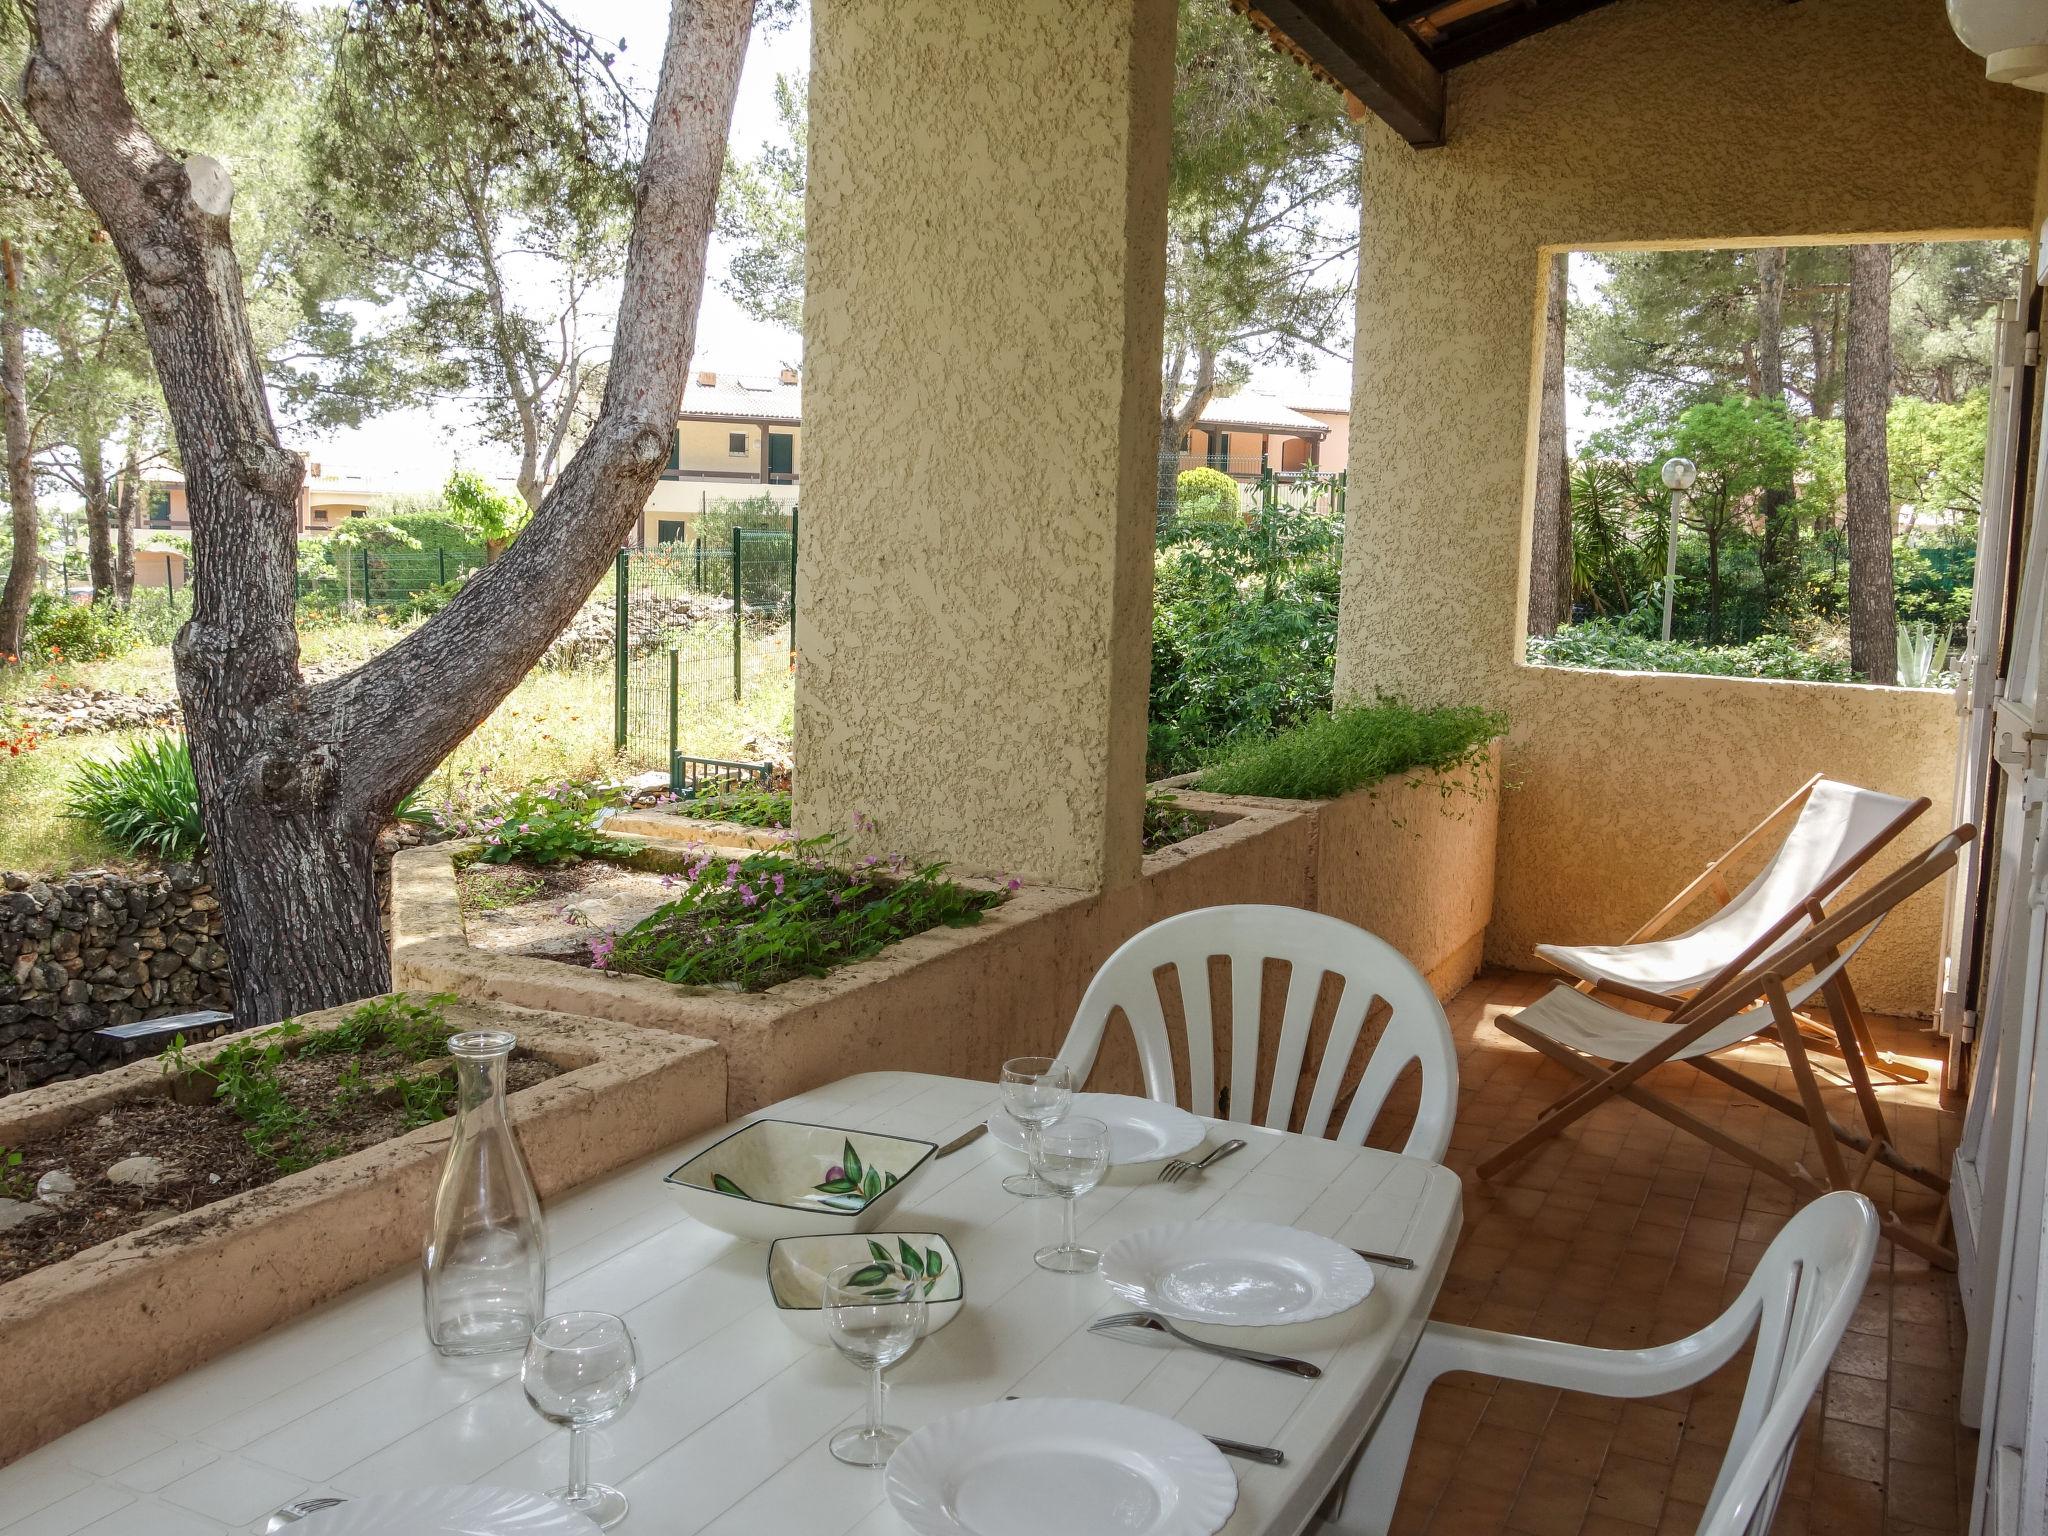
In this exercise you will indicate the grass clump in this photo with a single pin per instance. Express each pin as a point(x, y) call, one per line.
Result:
point(754, 922)
point(291, 1127)
point(1333, 754)
point(143, 800)
point(1609, 645)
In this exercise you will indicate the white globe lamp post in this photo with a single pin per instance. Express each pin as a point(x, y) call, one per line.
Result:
point(1679, 474)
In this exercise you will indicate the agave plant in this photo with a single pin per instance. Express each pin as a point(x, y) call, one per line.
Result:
point(1923, 654)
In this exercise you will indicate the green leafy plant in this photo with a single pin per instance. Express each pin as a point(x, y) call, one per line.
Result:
point(1611, 645)
point(746, 807)
point(81, 631)
point(753, 922)
point(1168, 822)
point(1244, 632)
point(15, 1184)
point(1209, 496)
point(556, 825)
point(1336, 753)
point(248, 1075)
point(144, 799)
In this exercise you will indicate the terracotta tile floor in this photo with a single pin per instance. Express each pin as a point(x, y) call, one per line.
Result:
point(1624, 1231)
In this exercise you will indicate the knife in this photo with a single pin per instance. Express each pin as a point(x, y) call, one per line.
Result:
point(963, 1139)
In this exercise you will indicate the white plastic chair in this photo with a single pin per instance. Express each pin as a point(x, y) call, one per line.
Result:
point(1312, 945)
point(1797, 1305)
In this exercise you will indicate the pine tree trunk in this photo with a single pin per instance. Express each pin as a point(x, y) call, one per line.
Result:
point(21, 480)
point(99, 518)
point(1168, 500)
point(1779, 553)
point(1873, 605)
point(126, 498)
point(1550, 552)
point(295, 781)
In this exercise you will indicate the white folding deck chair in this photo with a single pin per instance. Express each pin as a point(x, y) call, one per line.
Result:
point(1797, 1305)
point(1313, 945)
point(1613, 1050)
point(1835, 830)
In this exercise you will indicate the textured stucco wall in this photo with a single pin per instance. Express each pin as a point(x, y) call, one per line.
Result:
point(985, 268)
point(1658, 122)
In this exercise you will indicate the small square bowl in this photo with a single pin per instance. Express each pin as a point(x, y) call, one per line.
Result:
point(797, 1267)
point(786, 1178)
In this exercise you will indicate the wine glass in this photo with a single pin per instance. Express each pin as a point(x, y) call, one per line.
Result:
point(1037, 1091)
point(874, 1312)
point(581, 1370)
point(1072, 1157)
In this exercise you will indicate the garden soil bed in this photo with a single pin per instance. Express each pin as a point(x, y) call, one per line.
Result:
point(581, 900)
point(205, 1153)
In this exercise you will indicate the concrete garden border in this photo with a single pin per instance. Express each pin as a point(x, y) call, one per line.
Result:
point(960, 1000)
point(89, 1332)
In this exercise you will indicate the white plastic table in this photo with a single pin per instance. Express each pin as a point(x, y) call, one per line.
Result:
point(728, 1433)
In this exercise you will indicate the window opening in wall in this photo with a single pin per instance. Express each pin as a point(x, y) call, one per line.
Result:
point(1832, 404)
point(736, 442)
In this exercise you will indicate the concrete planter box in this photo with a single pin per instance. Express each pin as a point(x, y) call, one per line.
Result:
point(665, 826)
point(1410, 858)
point(951, 1000)
point(89, 1332)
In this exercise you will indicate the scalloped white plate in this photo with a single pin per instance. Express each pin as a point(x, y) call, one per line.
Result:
point(1074, 1466)
point(1140, 1130)
point(446, 1512)
point(1241, 1273)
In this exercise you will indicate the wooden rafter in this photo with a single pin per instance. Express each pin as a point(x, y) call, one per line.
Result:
point(1354, 46)
point(1511, 24)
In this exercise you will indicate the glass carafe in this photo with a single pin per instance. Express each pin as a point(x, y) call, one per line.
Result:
point(485, 1270)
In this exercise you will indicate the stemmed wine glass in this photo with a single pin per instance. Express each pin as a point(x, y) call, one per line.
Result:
point(873, 1321)
point(581, 1370)
point(1072, 1156)
point(1037, 1092)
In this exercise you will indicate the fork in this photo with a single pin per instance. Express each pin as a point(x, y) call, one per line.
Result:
point(297, 1510)
point(1180, 1167)
point(1158, 1324)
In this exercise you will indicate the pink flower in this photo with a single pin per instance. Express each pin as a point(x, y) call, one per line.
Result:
point(601, 947)
point(1013, 885)
point(778, 885)
point(747, 896)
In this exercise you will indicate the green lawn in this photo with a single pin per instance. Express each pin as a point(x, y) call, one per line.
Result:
point(555, 725)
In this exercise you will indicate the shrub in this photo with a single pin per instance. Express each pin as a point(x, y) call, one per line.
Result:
point(144, 799)
point(1608, 645)
point(1209, 496)
point(1335, 753)
point(1244, 634)
point(547, 826)
point(81, 631)
point(771, 917)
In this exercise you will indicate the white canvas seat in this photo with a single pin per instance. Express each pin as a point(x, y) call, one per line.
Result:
point(1581, 1022)
point(1313, 945)
point(1796, 1306)
point(1838, 828)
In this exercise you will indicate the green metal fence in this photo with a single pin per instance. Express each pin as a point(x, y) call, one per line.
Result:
point(342, 577)
point(698, 626)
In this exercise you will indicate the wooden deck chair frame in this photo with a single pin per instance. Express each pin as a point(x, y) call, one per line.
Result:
point(1713, 882)
point(1824, 951)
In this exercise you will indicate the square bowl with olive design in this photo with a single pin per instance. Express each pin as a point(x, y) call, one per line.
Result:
point(788, 1178)
point(797, 1267)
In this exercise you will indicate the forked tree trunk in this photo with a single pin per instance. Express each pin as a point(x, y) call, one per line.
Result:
point(1175, 422)
point(126, 498)
point(99, 517)
point(1550, 544)
point(1779, 551)
point(21, 480)
point(1866, 395)
point(294, 781)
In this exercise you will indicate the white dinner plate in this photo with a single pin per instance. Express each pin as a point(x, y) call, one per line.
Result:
point(446, 1512)
point(1140, 1130)
point(1246, 1273)
point(1056, 1464)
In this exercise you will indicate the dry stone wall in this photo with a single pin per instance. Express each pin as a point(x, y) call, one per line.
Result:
point(99, 947)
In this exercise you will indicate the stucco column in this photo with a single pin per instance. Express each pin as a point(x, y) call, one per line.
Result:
point(985, 267)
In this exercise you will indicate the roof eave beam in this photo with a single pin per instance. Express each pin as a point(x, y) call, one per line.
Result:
point(1370, 57)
